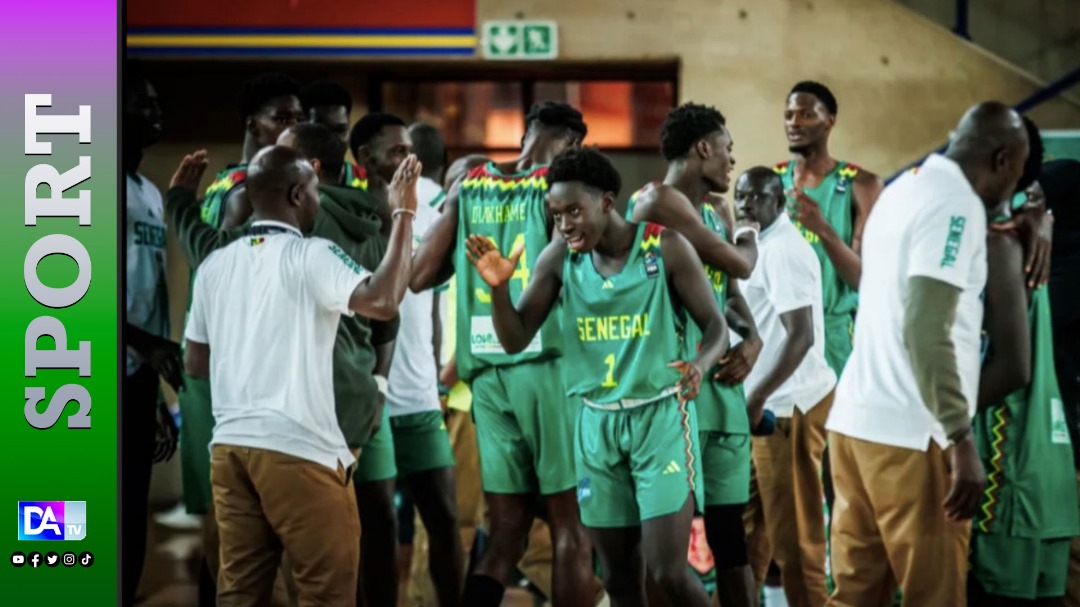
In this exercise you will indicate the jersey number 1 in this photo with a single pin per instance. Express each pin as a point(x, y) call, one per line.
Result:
point(521, 273)
point(609, 381)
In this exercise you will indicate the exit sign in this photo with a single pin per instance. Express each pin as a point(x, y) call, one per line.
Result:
point(520, 40)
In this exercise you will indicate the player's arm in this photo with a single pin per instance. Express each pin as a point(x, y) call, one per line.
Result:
point(865, 191)
point(237, 208)
point(516, 326)
point(1008, 367)
point(436, 329)
point(687, 278)
point(738, 314)
point(669, 208)
point(433, 262)
point(740, 360)
point(1036, 227)
point(379, 296)
point(197, 239)
point(162, 354)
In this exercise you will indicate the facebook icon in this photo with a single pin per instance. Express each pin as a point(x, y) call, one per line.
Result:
point(52, 521)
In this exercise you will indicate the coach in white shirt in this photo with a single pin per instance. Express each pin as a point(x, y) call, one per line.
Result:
point(792, 380)
point(904, 464)
point(263, 320)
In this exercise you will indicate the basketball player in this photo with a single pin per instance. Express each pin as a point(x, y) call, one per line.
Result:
point(524, 424)
point(330, 104)
point(626, 289)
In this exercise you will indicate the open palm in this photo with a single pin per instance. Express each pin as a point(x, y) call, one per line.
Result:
point(495, 269)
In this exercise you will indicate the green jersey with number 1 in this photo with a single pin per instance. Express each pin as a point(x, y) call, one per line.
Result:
point(621, 332)
point(511, 210)
point(1025, 448)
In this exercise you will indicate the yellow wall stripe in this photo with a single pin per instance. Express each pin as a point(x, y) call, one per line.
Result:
point(256, 41)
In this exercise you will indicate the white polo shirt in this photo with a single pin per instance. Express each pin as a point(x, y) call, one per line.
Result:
point(147, 301)
point(928, 223)
point(787, 277)
point(413, 385)
point(269, 306)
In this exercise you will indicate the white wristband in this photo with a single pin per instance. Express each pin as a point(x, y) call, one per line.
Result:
point(381, 383)
point(745, 229)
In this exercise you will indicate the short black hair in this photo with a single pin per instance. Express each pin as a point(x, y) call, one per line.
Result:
point(429, 147)
point(1033, 164)
point(369, 127)
point(686, 125)
point(263, 89)
point(559, 116)
point(819, 90)
point(325, 93)
point(314, 140)
point(586, 165)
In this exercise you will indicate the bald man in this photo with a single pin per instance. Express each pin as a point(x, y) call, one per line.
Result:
point(905, 468)
point(280, 465)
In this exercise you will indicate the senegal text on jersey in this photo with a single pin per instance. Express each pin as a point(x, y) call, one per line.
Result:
point(612, 328)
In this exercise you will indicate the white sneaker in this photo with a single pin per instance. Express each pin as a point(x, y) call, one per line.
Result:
point(774, 597)
point(178, 518)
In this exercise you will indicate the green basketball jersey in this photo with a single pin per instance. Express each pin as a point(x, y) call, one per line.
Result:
point(833, 195)
point(1026, 451)
point(213, 205)
point(355, 176)
point(621, 332)
point(510, 210)
point(720, 408)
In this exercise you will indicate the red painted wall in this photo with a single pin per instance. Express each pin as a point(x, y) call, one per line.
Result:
point(302, 13)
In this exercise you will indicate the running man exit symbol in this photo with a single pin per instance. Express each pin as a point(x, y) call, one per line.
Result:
point(520, 40)
point(537, 40)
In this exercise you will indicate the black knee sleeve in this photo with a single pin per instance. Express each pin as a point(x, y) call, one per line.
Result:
point(726, 535)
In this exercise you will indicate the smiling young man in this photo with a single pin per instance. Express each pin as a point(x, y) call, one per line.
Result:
point(626, 290)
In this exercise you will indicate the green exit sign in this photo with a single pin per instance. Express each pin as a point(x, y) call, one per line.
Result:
point(520, 40)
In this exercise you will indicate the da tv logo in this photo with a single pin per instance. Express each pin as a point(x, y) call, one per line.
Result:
point(52, 521)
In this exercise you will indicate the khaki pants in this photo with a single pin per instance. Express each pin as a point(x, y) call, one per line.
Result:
point(266, 502)
point(284, 594)
point(788, 518)
point(1072, 589)
point(889, 527)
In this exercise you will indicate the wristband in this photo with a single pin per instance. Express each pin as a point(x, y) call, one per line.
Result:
point(408, 212)
point(743, 230)
point(381, 383)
